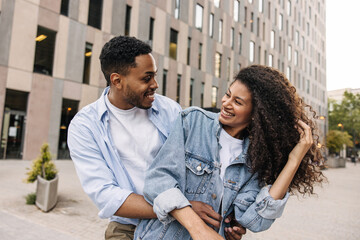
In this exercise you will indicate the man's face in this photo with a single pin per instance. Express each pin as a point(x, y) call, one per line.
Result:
point(139, 85)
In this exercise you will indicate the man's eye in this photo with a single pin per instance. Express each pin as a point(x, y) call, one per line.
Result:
point(148, 78)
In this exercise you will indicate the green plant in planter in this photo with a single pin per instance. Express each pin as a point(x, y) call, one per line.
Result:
point(42, 166)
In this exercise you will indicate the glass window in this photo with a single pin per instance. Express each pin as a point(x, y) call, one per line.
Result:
point(232, 38)
point(202, 94)
point(191, 92)
point(252, 51)
point(240, 42)
point(289, 8)
point(252, 22)
point(127, 20)
point(151, 30)
point(217, 65)
point(95, 13)
point(272, 39)
point(296, 58)
point(214, 92)
point(164, 80)
point(261, 5)
point(173, 43)
point(178, 85)
point(236, 10)
point(188, 51)
point(270, 60)
point(44, 51)
point(64, 10)
point(217, 3)
point(288, 73)
point(199, 17)
point(280, 22)
point(87, 63)
point(200, 55)
point(177, 9)
point(297, 38)
point(211, 25)
point(220, 30)
point(289, 52)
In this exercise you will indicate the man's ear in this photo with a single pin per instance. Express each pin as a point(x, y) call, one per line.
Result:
point(116, 80)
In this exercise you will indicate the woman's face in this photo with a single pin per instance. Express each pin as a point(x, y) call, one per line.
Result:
point(236, 109)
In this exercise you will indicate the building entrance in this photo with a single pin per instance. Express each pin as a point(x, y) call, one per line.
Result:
point(13, 125)
point(12, 140)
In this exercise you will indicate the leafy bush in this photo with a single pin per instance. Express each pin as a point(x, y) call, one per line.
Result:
point(42, 166)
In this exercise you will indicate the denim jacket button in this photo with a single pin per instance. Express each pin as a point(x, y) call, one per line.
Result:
point(198, 168)
point(213, 196)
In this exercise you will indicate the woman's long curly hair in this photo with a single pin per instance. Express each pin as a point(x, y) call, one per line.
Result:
point(273, 131)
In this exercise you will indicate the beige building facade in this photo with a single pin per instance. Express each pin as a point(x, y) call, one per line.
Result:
point(49, 51)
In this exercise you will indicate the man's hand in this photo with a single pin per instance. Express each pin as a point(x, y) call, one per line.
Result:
point(235, 231)
point(206, 213)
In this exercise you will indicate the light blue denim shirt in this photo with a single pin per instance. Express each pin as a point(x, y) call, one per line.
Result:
point(96, 159)
point(188, 168)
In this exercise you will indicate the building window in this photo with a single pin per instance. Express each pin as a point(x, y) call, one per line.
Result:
point(188, 51)
point(87, 63)
point(272, 39)
point(199, 57)
point(220, 30)
point(245, 16)
point(191, 92)
point(44, 51)
point(252, 22)
point(178, 85)
point(297, 37)
point(177, 9)
point(64, 10)
point(296, 58)
point(236, 10)
point(173, 43)
point(240, 42)
point(202, 94)
point(217, 3)
point(232, 38)
point(289, 8)
point(164, 82)
point(228, 62)
point(68, 110)
point(270, 60)
point(289, 52)
point(250, 1)
point(252, 51)
point(211, 25)
point(288, 73)
point(214, 92)
point(217, 65)
point(95, 13)
point(127, 20)
point(280, 22)
point(151, 30)
point(199, 17)
point(261, 5)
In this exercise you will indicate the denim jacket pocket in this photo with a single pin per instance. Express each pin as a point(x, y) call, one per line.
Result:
point(198, 174)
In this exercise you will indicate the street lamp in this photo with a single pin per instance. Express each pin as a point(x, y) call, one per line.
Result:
point(344, 146)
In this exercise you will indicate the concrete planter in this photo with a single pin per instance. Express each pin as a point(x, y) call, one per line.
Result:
point(334, 162)
point(46, 193)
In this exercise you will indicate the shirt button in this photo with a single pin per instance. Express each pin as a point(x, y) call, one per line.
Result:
point(213, 196)
point(198, 168)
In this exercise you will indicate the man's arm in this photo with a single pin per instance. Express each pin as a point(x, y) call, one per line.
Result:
point(135, 206)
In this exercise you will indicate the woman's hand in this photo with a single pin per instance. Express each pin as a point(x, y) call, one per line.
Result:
point(304, 144)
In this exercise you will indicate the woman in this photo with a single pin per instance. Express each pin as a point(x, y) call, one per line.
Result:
point(242, 161)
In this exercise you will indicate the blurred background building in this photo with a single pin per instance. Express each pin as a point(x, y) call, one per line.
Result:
point(49, 50)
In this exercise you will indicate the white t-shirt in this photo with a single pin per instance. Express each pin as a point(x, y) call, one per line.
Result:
point(137, 140)
point(231, 148)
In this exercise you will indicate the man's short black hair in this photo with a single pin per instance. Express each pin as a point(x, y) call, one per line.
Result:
point(118, 55)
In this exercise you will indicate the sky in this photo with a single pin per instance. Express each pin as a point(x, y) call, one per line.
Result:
point(342, 44)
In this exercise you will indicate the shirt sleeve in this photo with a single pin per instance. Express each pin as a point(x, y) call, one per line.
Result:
point(255, 209)
point(165, 179)
point(97, 178)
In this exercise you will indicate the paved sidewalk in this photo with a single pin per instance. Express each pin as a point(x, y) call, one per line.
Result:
point(332, 215)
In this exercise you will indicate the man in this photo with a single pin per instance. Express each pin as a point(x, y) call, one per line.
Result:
point(113, 140)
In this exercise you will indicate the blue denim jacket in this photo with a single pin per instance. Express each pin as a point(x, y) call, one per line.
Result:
point(97, 161)
point(188, 168)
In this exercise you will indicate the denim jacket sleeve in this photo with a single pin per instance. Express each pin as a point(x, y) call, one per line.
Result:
point(97, 179)
point(165, 179)
point(257, 210)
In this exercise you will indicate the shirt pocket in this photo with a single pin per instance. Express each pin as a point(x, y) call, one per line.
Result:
point(198, 174)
